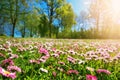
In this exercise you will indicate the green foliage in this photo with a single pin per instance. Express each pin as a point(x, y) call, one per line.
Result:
point(66, 16)
point(43, 26)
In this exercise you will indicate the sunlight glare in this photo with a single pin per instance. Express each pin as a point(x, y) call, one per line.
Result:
point(116, 6)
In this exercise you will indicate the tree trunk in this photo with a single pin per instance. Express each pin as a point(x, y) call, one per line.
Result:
point(13, 29)
point(50, 20)
point(31, 32)
point(24, 30)
point(50, 25)
point(50, 30)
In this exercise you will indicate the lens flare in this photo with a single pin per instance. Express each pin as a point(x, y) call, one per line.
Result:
point(116, 6)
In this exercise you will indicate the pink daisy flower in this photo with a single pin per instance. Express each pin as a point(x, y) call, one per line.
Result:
point(34, 61)
point(54, 74)
point(44, 57)
point(10, 68)
point(43, 50)
point(13, 56)
point(7, 74)
point(9, 61)
point(71, 59)
point(91, 77)
point(62, 63)
point(72, 72)
point(2, 55)
point(103, 71)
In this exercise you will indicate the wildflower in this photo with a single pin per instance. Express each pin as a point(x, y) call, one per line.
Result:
point(5, 46)
point(43, 50)
point(60, 69)
point(7, 74)
point(91, 77)
point(13, 56)
point(12, 75)
point(94, 56)
point(2, 55)
point(54, 74)
point(21, 48)
point(10, 68)
point(55, 55)
point(9, 50)
point(71, 59)
point(2, 49)
point(0, 70)
point(72, 52)
point(9, 61)
point(81, 62)
point(34, 61)
point(88, 58)
point(80, 77)
point(42, 60)
point(72, 71)
point(43, 70)
point(44, 57)
point(90, 69)
point(30, 47)
point(103, 71)
point(8, 43)
point(62, 63)
point(53, 49)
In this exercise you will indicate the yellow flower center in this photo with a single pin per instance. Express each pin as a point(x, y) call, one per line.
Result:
point(6, 72)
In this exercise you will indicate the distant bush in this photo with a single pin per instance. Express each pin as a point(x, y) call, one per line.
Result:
point(3, 36)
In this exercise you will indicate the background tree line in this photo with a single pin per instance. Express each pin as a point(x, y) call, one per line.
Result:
point(56, 19)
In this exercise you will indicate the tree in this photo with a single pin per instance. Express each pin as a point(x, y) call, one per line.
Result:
point(3, 15)
point(13, 13)
point(11, 10)
point(22, 23)
point(46, 19)
point(49, 8)
point(66, 17)
point(43, 25)
point(32, 22)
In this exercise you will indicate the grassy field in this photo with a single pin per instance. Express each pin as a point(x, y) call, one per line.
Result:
point(59, 59)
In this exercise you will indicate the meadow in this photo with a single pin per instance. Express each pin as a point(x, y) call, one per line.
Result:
point(59, 59)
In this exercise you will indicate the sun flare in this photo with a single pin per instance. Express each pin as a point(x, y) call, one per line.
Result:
point(116, 6)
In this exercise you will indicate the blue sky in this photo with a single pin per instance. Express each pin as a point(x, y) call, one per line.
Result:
point(79, 5)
